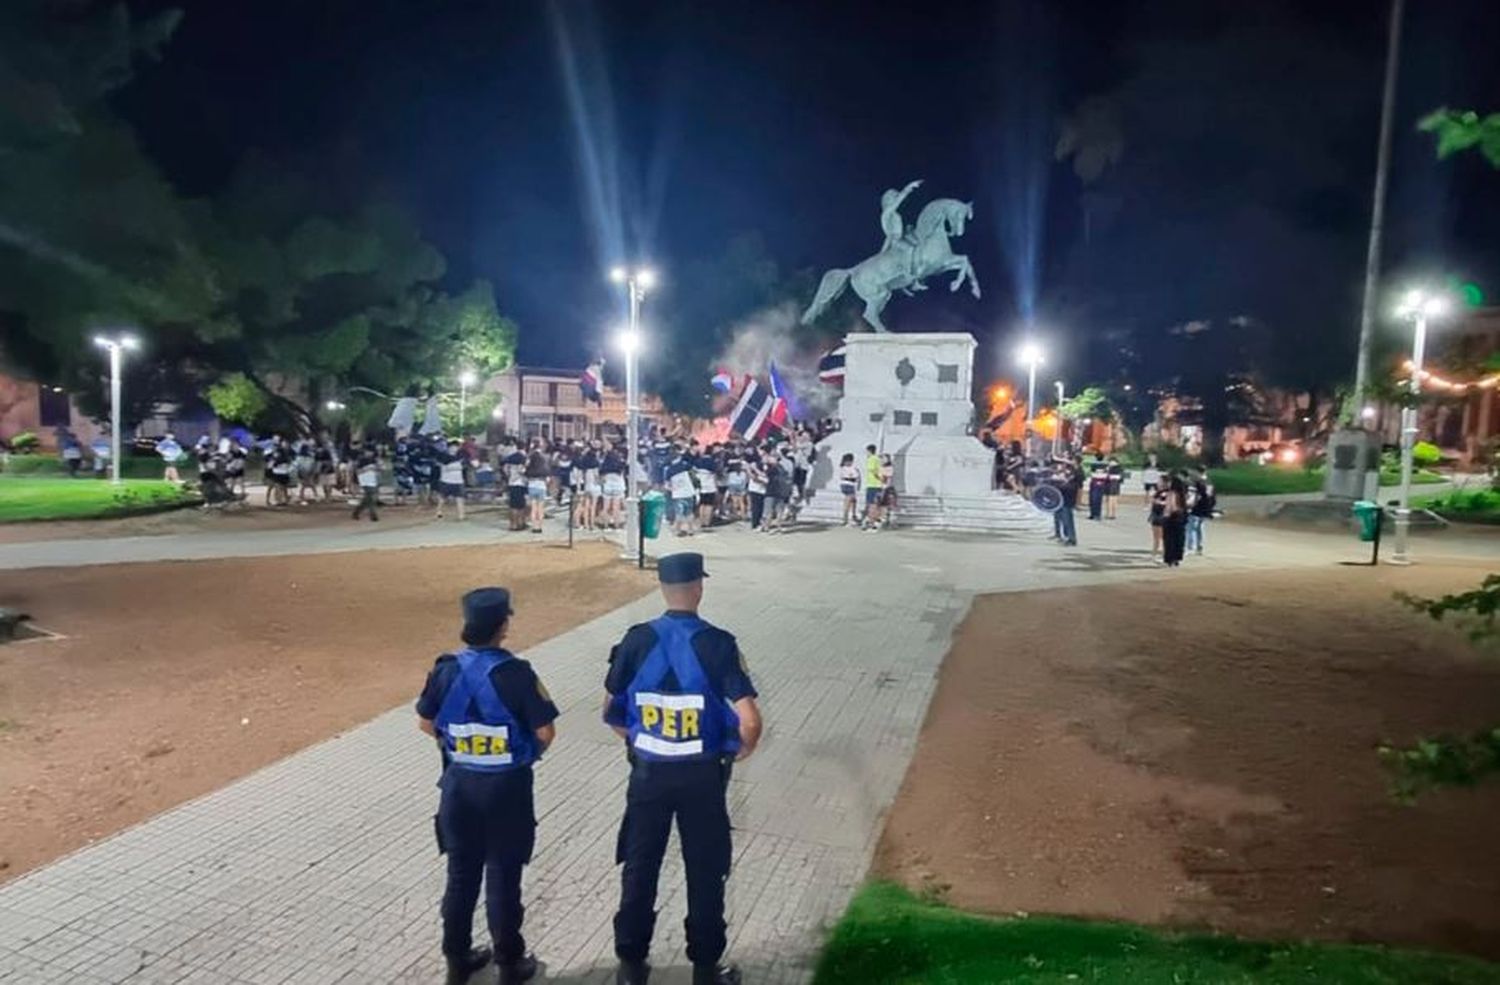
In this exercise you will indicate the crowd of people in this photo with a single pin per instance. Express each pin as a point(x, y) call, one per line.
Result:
point(761, 483)
point(1177, 503)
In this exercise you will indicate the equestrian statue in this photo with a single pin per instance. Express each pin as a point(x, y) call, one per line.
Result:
point(906, 259)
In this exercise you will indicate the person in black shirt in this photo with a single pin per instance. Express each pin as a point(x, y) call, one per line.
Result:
point(492, 719)
point(1067, 477)
point(678, 693)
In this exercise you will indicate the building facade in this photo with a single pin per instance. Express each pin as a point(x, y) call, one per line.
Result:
point(547, 402)
point(34, 408)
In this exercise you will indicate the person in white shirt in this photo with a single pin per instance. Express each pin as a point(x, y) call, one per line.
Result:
point(451, 479)
point(367, 474)
point(849, 487)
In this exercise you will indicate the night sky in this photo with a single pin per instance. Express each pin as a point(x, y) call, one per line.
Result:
point(711, 119)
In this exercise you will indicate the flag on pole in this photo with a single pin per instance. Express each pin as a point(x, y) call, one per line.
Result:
point(750, 415)
point(722, 381)
point(403, 416)
point(831, 366)
point(588, 382)
point(786, 401)
point(432, 421)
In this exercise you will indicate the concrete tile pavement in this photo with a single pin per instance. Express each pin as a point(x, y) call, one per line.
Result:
point(321, 868)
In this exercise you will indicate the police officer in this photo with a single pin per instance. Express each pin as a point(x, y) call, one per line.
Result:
point(492, 719)
point(679, 695)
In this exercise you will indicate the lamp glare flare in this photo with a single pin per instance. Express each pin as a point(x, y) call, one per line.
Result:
point(1419, 303)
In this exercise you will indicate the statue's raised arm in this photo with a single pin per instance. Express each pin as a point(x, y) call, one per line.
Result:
point(891, 222)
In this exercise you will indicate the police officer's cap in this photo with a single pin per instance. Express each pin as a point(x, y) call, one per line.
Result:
point(484, 610)
point(680, 569)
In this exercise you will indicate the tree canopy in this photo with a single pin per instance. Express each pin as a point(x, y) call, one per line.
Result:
point(1222, 235)
point(277, 292)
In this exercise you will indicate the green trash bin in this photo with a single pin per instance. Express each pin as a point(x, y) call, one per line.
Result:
point(653, 507)
point(1369, 515)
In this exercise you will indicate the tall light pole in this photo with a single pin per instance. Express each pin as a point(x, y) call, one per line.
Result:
point(1057, 434)
point(1030, 356)
point(115, 345)
point(1417, 307)
point(465, 380)
point(636, 283)
point(1377, 211)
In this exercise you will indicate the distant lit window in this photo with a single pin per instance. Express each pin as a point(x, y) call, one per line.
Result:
point(901, 418)
point(929, 418)
point(53, 409)
point(947, 373)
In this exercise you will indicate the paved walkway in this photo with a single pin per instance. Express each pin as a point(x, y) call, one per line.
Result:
point(321, 868)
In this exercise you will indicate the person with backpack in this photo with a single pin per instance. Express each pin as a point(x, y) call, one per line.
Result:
point(1201, 504)
point(493, 720)
point(679, 696)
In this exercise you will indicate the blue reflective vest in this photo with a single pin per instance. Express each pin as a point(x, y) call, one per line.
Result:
point(691, 723)
point(493, 741)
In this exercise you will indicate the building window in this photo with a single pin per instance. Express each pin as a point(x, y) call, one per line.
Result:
point(901, 418)
point(947, 373)
point(929, 418)
point(536, 392)
point(876, 417)
point(53, 410)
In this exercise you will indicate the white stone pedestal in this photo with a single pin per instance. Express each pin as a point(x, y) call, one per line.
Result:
point(908, 395)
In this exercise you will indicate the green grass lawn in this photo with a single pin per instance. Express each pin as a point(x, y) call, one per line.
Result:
point(889, 936)
point(1254, 479)
point(131, 466)
point(1463, 506)
point(35, 498)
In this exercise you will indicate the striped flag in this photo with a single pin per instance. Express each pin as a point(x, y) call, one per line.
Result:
point(831, 366)
point(752, 414)
point(588, 382)
point(722, 381)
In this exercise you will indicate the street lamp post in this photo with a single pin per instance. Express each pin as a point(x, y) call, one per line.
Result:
point(1418, 306)
point(115, 346)
point(1057, 434)
point(465, 380)
point(636, 283)
point(1030, 356)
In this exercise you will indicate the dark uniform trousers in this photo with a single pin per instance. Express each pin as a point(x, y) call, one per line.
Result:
point(695, 794)
point(487, 824)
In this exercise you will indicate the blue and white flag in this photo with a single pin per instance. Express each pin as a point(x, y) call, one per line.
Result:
point(403, 416)
point(831, 366)
point(752, 412)
point(432, 421)
point(588, 383)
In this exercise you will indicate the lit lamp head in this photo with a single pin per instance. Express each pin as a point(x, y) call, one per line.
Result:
point(645, 278)
point(467, 378)
point(628, 341)
point(1419, 304)
point(1029, 354)
point(619, 275)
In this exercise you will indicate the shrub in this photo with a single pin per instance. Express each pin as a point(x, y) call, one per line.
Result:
point(24, 442)
point(1425, 454)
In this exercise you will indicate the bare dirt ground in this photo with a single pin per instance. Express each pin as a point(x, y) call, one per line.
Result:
point(142, 706)
point(251, 518)
point(1200, 752)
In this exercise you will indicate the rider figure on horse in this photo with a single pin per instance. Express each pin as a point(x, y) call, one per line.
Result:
point(895, 231)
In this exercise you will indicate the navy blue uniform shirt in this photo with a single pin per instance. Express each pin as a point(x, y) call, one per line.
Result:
point(519, 688)
point(717, 651)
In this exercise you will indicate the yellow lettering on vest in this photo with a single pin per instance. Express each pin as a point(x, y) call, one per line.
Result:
point(668, 723)
point(461, 744)
point(650, 717)
point(499, 746)
point(481, 744)
point(690, 723)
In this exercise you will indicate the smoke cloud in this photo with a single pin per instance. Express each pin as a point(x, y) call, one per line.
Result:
point(774, 335)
